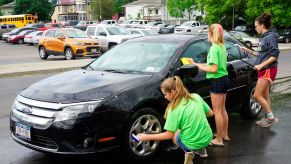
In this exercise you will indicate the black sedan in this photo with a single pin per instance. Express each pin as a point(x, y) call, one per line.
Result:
point(98, 107)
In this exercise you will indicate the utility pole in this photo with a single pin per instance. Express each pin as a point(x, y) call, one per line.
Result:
point(233, 17)
point(100, 12)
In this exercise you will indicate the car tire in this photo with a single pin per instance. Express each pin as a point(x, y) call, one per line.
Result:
point(145, 120)
point(42, 53)
point(251, 108)
point(20, 41)
point(69, 54)
point(249, 44)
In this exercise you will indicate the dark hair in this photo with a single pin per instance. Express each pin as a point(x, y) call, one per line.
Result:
point(265, 19)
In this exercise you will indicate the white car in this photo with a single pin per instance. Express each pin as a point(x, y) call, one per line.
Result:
point(245, 38)
point(108, 36)
point(30, 38)
point(142, 32)
point(189, 27)
point(126, 23)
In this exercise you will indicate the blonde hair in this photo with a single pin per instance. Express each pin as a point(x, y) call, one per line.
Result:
point(175, 84)
point(216, 32)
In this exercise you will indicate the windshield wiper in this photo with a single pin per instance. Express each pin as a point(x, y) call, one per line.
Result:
point(115, 70)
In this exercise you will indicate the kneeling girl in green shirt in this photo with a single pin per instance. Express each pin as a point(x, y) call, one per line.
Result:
point(186, 122)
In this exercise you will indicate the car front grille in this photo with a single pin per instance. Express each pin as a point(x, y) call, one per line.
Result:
point(43, 142)
point(89, 49)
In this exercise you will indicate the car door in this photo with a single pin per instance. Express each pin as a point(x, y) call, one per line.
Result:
point(243, 72)
point(102, 39)
point(47, 40)
point(59, 42)
point(199, 84)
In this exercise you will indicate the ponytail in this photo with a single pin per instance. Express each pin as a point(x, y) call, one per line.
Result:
point(175, 85)
point(216, 31)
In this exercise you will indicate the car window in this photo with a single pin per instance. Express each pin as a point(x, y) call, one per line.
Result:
point(3, 27)
point(135, 32)
point(75, 33)
point(100, 30)
point(11, 26)
point(233, 51)
point(117, 31)
point(198, 51)
point(58, 33)
point(50, 33)
point(91, 30)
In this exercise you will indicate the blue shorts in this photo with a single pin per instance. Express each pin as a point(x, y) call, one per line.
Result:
point(181, 145)
point(219, 85)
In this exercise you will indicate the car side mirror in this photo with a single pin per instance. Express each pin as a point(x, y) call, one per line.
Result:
point(187, 70)
point(60, 37)
point(103, 34)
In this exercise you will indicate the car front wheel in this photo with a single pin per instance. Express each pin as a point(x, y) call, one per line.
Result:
point(42, 53)
point(69, 54)
point(146, 120)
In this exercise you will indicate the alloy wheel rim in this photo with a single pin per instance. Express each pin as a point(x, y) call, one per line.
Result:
point(254, 105)
point(42, 53)
point(145, 124)
point(69, 54)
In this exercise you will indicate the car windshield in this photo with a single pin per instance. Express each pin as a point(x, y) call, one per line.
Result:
point(149, 32)
point(15, 30)
point(136, 22)
point(75, 33)
point(127, 22)
point(136, 57)
point(22, 32)
point(117, 31)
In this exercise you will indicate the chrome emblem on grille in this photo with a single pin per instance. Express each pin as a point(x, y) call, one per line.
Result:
point(25, 109)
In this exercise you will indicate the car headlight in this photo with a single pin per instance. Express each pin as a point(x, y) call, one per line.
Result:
point(76, 111)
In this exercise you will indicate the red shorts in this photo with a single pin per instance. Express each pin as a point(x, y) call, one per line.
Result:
point(268, 74)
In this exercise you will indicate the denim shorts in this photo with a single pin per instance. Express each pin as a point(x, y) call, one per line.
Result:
point(181, 145)
point(219, 85)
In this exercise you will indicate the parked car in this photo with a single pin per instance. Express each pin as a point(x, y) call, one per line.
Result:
point(86, 23)
point(109, 36)
point(16, 31)
point(142, 32)
point(151, 25)
point(138, 23)
point(108, 22)
point(98, 107)
point(39, 26)
point(190, 26)
point(245, 38)
point(126, 24)
point(250, 30)
point(19, 38)
point(69, 42)
point(4, 28)
point(168, 29)
point(30, 38)
point(71, 23)
point(284, 35)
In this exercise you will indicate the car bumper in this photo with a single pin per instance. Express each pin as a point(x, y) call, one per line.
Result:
point(87, 51)
point(78, 140)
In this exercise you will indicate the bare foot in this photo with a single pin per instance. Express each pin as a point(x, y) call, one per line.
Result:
point(215, 142)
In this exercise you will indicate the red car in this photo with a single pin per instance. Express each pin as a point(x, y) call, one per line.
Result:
point(19, 38)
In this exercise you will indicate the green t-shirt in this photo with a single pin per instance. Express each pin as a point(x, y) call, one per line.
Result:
point(190, 118)
point(217, 55)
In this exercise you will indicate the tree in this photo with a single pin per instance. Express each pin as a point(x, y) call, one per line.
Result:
point(102, 9)
point(181, 8)
point(279, 9)
point(3, 2)
point(42, 7)
point(225, 12)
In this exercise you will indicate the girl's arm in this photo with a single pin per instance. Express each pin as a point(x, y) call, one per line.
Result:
point(209, 113)
point(160, 136)
point(213, 68)
point(271, 60)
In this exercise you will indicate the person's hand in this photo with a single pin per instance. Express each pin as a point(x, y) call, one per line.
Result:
point(245, 49)
point(258, 67)
point(142, 137)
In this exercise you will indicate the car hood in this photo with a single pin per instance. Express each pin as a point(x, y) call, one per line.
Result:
point(119, 38)
point(81, 86)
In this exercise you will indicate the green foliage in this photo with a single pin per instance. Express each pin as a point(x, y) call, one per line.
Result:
point(279, 9)
point(178, 8)
point(3, 2)
point(42, 7)
point(107, 9)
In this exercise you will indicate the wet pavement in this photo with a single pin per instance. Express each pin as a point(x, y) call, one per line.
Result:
point(249, 143)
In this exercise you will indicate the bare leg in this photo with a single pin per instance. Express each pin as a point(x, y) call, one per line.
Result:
point(216, 100)
point(261, 96)
point(225, 119)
